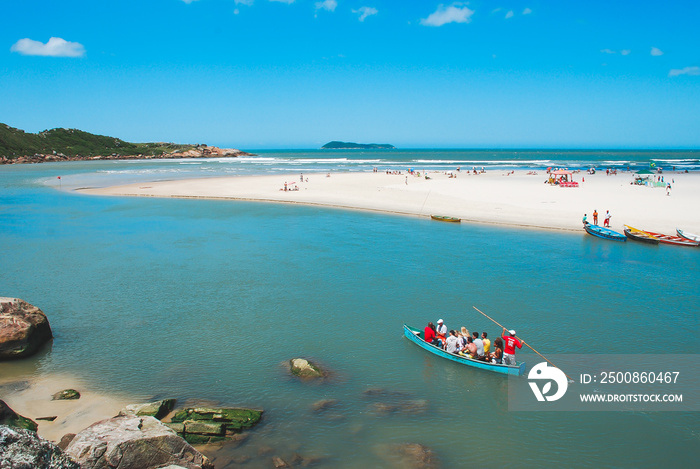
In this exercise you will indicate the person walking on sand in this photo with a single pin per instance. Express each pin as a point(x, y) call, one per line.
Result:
point(606, 223)
point(595, 217)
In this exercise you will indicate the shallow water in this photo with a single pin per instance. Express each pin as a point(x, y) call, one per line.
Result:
point(207, 299)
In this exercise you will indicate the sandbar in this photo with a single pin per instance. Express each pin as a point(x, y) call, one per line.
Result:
point(517, 199)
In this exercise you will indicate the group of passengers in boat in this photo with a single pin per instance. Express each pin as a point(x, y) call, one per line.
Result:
point(478, 347)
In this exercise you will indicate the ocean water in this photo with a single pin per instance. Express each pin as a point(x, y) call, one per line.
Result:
point(207, 300)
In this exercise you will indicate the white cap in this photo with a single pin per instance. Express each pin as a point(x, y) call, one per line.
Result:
point(511, 332)
point(440, 321)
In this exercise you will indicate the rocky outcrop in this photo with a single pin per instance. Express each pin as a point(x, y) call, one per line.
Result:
point(305, 369)
point(204, 424)
point(157, 409)
point(20, 449)
point(200, 151)
point(66, 395)
point(389, 402)
point(133, 443)
point(24, 328)
point(13, 419)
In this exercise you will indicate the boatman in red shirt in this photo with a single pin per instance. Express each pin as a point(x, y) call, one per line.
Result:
point(510, 342)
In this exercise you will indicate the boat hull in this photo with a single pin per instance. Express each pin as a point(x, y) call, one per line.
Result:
point(640, 236)
point(674, 240)
point(686, 235)
point(447, 219)
point(604, 233)
point(414, 335)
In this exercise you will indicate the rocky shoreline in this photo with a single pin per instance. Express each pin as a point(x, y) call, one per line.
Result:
point(199, 151)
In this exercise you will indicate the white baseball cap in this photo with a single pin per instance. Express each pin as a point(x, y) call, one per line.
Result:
point(511, 332)
point(440, 321)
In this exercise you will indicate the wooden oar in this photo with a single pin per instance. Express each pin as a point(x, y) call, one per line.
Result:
point(538, 353)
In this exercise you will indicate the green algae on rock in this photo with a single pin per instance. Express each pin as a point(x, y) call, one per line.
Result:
point(199, 425)
point(66, 395)
point(305, 369)
point(12, 419)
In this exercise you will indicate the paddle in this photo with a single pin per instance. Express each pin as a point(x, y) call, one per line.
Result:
point(538, 353)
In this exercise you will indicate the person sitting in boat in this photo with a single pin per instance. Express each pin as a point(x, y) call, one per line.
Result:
point(510, 342)
point(462, 338)
point(479, 345)
point(585, 219)
point(429, 334)
point(487, 344)
point(441, 332)
point(497, 355)
point(470, 351)
point(451, 343)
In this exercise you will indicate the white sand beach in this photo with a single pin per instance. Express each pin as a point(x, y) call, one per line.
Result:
point(521, 199)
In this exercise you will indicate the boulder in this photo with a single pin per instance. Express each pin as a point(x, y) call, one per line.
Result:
point(13, 419)
point(20, 449)
point(66, 395)
point(324, 404)
point(305, 369)
point(416, 456)
point(128, 442)
point(200, 425)
point(158, 409)
point(23, 328)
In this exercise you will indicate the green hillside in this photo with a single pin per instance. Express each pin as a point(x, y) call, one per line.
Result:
point(72, 142)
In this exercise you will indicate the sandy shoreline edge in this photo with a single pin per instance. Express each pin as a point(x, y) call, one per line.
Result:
point(518, 199)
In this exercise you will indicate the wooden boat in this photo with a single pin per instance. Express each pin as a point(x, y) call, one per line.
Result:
point(638, 235)
point(686, 235)
point(444, 218)
point(416, 336)
point(675, 240)
point(605, 233)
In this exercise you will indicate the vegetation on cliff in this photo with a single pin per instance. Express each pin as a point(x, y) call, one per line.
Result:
point(15, 143)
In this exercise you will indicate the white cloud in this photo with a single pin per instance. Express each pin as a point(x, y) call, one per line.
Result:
point(625, 52)
point(655, 51)
point(283, 1)
point(364, 12)
point(509, 14)
point(328, 5)
point(527, 11)
point(608, 51)
point(450, 14)
point(684, 71)
point(56, 47)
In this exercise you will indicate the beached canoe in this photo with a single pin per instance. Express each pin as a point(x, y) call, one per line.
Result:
point(638, 235)
point(444, 218)
point(675, 240)
point(605, 233)
point(416, 336)
point(686, 235)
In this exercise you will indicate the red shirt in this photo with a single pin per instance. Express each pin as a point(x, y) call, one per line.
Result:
point(510, 343)
point(429, 334)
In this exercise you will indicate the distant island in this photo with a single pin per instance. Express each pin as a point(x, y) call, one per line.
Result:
point(335, 145)
point(18, 146)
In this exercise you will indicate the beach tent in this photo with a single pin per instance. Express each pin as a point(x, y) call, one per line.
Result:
point(558, 174)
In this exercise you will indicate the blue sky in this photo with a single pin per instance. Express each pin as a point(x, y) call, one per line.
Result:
point(297, 73)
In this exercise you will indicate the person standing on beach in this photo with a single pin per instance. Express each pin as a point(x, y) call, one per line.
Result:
point(607, 218)
point(510, 342)
point(595, 216)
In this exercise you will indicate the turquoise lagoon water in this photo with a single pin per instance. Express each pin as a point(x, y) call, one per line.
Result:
point(207, 299)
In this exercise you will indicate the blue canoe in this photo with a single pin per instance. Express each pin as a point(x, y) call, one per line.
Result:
point(605, 233)
point(416, 336)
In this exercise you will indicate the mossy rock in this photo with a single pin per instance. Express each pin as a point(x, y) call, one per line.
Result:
point(200, 425)
point(305, 369)
point(12, 419)
point(66, 394)
point(158, 409)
